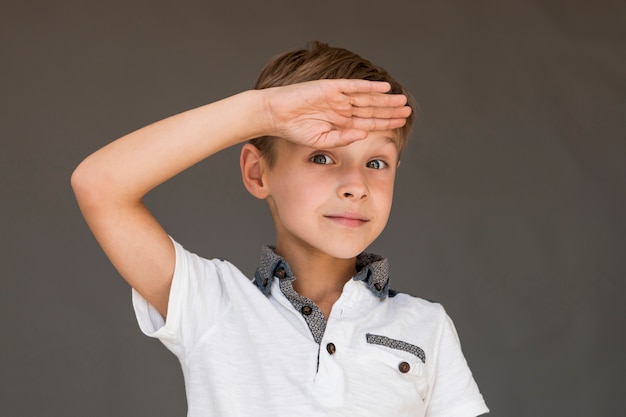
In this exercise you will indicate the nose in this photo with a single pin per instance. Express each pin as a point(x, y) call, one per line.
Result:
point(353, 184)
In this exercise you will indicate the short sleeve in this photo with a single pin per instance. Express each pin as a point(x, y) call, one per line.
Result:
point(196, 300)
point(454, 391)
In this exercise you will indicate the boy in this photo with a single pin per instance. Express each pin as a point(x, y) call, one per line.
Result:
point(317, 332)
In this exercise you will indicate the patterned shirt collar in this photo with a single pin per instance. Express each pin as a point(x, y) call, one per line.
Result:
point(372, 269)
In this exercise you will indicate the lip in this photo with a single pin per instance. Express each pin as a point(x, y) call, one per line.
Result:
point(348, 219)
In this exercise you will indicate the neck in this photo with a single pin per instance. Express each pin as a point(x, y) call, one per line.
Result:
point(319, 276)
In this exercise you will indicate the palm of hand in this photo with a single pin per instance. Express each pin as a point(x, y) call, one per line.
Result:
point(330, 113)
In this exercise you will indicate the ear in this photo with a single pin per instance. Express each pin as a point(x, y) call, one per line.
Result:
point(253, 168)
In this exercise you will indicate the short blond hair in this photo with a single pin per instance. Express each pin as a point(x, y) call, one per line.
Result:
point(321, 61)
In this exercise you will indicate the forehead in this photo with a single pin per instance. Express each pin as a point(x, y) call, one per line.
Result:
point(385, 142)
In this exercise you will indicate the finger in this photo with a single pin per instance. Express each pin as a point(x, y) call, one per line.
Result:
point(372, 124)
point(381, 112)
point(377, 100)
point(350, 86)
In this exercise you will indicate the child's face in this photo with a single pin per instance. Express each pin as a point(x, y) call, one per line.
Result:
point(334, 201)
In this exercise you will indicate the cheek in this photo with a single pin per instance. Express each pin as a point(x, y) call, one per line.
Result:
point(383, 200)
point(382, 191)
point(302, 184)
point(295, 195)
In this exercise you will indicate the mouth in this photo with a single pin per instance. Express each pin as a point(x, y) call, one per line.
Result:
point(348, 219)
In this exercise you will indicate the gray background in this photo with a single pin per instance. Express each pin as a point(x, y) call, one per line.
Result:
point(509, 206)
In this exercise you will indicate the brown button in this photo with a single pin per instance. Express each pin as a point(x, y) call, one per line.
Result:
point(331, 348)
point(306, 310)
point(265, 281)
point(378, 286)
point(404, 367)
point(280, 272)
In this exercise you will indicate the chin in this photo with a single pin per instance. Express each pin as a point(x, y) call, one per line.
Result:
point(345, 251)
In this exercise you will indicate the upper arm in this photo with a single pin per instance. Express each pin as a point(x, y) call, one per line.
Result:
point(132, 239)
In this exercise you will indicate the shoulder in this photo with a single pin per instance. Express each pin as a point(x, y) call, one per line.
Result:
point(199, 277)
point(403, 302)
point(188, 263)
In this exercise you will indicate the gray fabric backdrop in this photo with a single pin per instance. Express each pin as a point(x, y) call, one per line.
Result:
point(509, 207)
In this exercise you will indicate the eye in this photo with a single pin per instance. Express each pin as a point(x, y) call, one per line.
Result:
point(376, 164)
point(322, 159)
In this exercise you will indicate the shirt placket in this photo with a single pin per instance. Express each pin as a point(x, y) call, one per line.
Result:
point(311, 313)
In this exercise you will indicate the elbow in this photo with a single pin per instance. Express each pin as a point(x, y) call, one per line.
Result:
point(97, 186)
point(87, 184)
point(79, 182)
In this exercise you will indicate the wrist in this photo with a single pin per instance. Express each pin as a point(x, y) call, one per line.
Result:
point(259, 111)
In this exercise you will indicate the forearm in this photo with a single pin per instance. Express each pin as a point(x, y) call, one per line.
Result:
point(126, 169)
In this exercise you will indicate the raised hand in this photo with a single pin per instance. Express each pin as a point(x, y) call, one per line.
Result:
point(330, 113)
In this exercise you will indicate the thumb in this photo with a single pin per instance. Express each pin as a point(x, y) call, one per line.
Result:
point(337, 138)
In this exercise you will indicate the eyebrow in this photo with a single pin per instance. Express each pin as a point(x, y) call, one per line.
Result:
point(390, 139)
point(395, 141)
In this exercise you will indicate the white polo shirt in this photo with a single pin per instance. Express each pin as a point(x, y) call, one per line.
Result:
point(257, 348)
